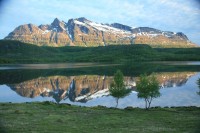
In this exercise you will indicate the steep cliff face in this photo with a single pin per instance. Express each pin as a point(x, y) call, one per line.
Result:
point(83, 32)
point(43, 35)
point(84, 88)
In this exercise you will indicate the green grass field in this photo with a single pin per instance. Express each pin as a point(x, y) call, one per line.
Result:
point(50, 117)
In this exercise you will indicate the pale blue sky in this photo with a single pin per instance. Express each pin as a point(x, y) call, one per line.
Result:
point(167, 15)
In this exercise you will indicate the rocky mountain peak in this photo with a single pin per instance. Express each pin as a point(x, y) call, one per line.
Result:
point(56, 21)
point(83, 19)
point(183, 36)
point(58, 26)
point(146, 29)
point(83, 32)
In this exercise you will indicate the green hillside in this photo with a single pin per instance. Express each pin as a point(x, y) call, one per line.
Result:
point(18, 52)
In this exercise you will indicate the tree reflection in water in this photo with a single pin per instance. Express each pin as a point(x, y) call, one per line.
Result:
point(198, 83)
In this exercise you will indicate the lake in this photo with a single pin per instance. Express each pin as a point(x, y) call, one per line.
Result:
point(86, 84)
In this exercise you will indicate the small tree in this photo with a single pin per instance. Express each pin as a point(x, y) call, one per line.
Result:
point(148, 88)
point(117, 88)
point(198, 83)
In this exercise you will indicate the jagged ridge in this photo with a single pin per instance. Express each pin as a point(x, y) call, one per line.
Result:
point(83, 32)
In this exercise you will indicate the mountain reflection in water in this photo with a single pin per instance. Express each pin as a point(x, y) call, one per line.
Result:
point(86, 87)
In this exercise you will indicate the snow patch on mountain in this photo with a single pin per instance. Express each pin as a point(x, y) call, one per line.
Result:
point(79, 23)
point(70, 36)
point(106, 28)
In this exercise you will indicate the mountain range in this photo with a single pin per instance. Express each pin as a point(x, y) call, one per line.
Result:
point(85, 33)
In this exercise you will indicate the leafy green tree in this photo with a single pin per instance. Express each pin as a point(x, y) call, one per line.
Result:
point(117, 88)
point(198, 83)
point(148, 88)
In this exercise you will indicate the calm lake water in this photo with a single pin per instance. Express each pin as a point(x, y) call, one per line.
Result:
point(86, 84)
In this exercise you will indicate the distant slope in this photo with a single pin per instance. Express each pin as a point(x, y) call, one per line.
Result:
point(85, 33)
point(19, 52)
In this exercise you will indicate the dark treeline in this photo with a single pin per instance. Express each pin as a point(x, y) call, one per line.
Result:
point(18, 52)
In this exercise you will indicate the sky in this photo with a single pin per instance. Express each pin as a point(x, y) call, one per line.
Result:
point(167, 15)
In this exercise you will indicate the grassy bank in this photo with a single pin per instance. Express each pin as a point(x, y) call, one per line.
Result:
point(50, 117)
point(18, 52)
